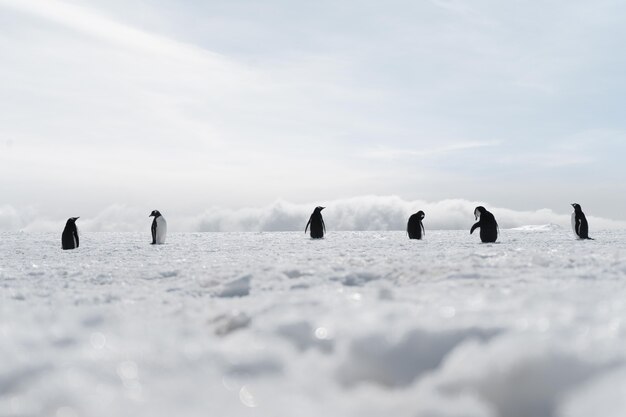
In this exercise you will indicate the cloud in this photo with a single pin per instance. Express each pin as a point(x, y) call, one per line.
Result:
point(115, 218)
point(13, 219)
point(84, 20)
point(358, 213)
point(281, 99)
point(382, 152)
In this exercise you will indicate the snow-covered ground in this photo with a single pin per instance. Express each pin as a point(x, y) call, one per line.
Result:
point(363, 324)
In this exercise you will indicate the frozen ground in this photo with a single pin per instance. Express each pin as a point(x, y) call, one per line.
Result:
point(277, 325)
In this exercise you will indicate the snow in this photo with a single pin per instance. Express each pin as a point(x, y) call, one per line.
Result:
point(275, 324)
point(539, 228)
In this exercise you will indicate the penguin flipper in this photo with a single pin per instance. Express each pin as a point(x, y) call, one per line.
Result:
point(474, 227)
point(154, 230)
point(76, 237)
point(307, 225)
point(423, 230)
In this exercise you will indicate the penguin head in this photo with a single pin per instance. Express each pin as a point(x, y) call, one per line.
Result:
point(155, 213)
point(577, 207)
point(478, 211)
point(420, 214)
point(72, 220)
point(318, 209)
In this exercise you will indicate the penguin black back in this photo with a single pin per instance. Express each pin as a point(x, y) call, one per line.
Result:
point(69, 237)
point(579, 222)
point(487, 223)
point(318, 228)
point(414, 227)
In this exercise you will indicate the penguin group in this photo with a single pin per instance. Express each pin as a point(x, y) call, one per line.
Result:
point(69, 237)
point(485, 221)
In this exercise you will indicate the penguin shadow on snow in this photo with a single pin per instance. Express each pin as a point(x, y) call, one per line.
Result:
point(316, 221)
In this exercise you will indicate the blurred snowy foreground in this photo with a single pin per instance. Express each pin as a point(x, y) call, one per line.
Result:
point(365, 324)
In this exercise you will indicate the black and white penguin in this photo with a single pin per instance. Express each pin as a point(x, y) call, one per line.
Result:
point(579, 222)
point(318, 228)
point(414, 227)
point(159, 228)
point(487, 223)
point(69, 238)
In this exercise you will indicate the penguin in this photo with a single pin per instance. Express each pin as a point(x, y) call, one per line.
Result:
point(414, 227)
point(318, 228)
point(579, 223)
point(487, 223)
point(159, 228)
point(69, 238)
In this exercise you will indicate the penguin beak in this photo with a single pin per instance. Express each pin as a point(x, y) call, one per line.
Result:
point(322, 208)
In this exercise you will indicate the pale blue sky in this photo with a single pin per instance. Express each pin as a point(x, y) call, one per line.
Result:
point(184, 105)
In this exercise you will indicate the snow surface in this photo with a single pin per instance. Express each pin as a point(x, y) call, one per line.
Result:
point(360, 324)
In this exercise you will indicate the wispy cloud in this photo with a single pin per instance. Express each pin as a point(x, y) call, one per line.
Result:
point(89, 22)
point(383, 152)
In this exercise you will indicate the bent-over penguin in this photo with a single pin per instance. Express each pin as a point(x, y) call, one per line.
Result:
point(579, 222)
point(159, 228)
point(69, 238)
point(487, 223)
point(414, 227)
point(318, 228)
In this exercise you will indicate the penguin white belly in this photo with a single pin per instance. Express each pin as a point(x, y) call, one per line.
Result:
point(574, 224)
point(74, 238)
point(161, 230)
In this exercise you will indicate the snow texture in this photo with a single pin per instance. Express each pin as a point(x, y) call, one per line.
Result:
point(359, 324)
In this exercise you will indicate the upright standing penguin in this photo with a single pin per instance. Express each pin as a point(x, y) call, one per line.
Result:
point(579, 222)
point(159, 228)
point(414, 227)
point(487, 223)
point(318, 228)
point(69, 237)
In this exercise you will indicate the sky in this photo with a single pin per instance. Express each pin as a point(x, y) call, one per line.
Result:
point(195, 107)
